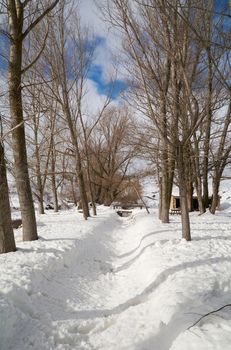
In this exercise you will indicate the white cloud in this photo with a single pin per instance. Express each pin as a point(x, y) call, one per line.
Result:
point(108, 52)
point(93, 101)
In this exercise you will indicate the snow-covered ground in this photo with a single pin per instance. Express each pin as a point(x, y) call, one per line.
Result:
point(116, 283)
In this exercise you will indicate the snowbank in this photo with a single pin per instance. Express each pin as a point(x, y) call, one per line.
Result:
point(118, 283)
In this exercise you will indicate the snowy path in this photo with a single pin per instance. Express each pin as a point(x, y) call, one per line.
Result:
point(116, 284)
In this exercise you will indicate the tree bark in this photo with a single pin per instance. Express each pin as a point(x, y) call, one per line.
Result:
point(18, 141)
point(39, 182)
point(208, 131)
point(183, 194)
point(40, 200)
point(197, 175)
point(199, 194)
point(215, 200)
point(7, 242)
point(81, 183)
point(53, 178)
point(164, 192)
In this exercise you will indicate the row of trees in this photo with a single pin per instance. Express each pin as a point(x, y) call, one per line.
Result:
point(54, 135)
point(178, 57)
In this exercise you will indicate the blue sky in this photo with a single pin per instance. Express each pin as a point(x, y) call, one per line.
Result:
point(103, 86)
point(98, 71)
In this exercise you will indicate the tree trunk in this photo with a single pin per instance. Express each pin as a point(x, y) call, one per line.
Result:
point(91, 191)
point(19, 143)
point(107, 197)
point(197, 174)
point(190, 195)
point(78, 161)
point(199, 195)
point(73, 191)
point(215, 201)
point(53, 179)
point(208, 130)
point(7, 242)
point(81, 183)
point(40, 186)
point(205, 188)
point(183, 195)
point(160, 198)
point(164, 199)
point(40, 205)
point(55, 195)
point(40, 195)
point(164, 192)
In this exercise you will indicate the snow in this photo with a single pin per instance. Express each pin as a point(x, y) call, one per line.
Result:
point(116, 283)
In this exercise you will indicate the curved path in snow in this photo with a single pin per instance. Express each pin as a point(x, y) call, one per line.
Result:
point(116, 284)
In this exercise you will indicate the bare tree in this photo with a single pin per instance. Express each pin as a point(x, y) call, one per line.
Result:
point(111, 153)
point(165, 68)
point(7, 242)
point(23, 17)
point(69, 60)
point(220, 155)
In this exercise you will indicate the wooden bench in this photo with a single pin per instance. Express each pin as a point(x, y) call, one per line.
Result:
point(17, 223)
point(116, 206)
point(131, 206)
point(127, 206)
point(124, 213)
point(175, 211)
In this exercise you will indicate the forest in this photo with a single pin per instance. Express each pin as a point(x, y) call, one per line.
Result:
point(115, 107)
point(174, 110)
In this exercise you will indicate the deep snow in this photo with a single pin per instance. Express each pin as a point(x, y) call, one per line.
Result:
point(116, 283)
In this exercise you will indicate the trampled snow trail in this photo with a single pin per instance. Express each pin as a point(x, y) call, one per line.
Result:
point(116, 284)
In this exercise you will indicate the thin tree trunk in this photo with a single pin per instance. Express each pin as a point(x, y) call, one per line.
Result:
point(164, 200)
point(40, 200)
point(73, 192)
point(215, 201)
point(208, 131)
point(160, 198)
point(78, 161)
point(7, 242)
point(183, 195)
point(53, 179)
point(92, 198)
point(199, 194)
point(39, 182)
point(165, 203)
point(197, 175)
point(190, 195)
point(107, 197)
point(89, 175)
point(81, 184)
point(55, 195)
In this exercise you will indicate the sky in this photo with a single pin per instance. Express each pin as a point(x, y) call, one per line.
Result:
point(105, 66)
point(103, 69)
point(107, 43)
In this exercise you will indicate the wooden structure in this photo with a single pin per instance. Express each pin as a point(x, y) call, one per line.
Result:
point(125, 206)
point(175, 204)
point(176, 211)
point(17, 223)
point(124, 213)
